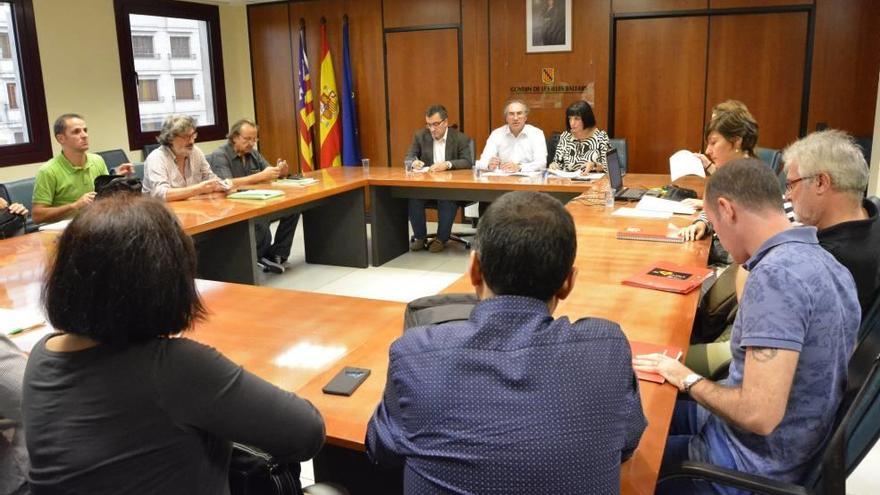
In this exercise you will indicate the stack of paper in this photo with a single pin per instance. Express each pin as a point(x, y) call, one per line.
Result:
point(296, 182)
point(57, 226)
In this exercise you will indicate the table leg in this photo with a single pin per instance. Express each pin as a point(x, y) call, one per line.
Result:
point(227, 254)
point(335, 231)
point(388, 227)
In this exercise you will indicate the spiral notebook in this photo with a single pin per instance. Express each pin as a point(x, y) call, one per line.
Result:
point(646, 234)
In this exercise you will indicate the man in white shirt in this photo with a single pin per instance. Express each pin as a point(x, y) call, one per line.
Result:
point(517, 146)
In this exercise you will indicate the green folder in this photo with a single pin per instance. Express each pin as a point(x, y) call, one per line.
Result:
point(258, 194)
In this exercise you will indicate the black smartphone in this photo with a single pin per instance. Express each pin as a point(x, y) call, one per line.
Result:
point(346, 381)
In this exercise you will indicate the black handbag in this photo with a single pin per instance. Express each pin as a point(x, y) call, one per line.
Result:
point(11, 224)
point(107, 185)
point(255, 472)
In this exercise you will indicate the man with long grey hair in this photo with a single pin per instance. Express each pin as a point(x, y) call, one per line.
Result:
point(178, 169)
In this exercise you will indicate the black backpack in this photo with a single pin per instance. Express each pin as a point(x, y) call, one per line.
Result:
point(108, 185)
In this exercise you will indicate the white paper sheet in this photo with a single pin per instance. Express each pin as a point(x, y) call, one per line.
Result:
point(682, 163)
point(657, 204)
point(634, 213)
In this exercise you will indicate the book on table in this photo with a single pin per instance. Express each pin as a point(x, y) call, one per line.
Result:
point(670, 277)
point(650, 234)
point(257, 194)
point(639, 348)
point(292, 181)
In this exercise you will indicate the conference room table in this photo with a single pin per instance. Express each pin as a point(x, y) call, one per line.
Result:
point(299, 340)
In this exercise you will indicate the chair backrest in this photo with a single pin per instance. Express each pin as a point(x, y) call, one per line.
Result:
point(772, 157)
point(22, 191)
point(148, 148)
point(858, 424)
point(139, 170)
point(620, 145)
point(552, 142)
point(875, 200)
point(113, 158)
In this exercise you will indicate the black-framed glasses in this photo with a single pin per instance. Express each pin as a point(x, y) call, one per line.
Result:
point(789, 184)
point(434, 125)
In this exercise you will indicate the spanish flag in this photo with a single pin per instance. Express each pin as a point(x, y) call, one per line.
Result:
point(331, 136)
point(306, 111)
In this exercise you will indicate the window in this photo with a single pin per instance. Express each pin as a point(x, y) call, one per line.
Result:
point(183, 89)
point(12, 96)
point(148, 90)
point(142, 46)
point(180, 47)
point(24, 126)
point(189, 33)
point(5, 51)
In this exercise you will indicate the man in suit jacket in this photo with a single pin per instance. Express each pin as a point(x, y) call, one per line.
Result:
point(439, 148)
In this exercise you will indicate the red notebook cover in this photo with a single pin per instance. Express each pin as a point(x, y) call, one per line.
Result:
point(644, 234)
point(639, 348)
point(669, 277)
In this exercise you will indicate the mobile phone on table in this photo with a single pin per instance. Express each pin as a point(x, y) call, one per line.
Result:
point(346, 381)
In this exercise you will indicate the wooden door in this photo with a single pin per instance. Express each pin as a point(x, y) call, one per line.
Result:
point(422, 70)
point(659, 83)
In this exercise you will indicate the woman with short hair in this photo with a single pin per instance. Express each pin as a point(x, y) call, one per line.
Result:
point(117, 401)
point(582, 146)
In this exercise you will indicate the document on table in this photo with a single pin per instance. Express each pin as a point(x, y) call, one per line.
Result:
point(635, 213)
point(682, 163)
point(296, 182)
point(658, 204)
point(501, 173)
point(15, 321)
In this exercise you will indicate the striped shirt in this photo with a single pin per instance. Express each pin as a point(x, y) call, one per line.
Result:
point(572, 154)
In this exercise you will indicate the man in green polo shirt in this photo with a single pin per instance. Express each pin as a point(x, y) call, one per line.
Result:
point(66, 183)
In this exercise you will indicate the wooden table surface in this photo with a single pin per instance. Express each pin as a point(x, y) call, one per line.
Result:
point(320, 334)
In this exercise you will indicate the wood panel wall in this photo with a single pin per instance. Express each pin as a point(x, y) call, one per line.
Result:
point(843, 75)
point(769, 79)
point(411, 91)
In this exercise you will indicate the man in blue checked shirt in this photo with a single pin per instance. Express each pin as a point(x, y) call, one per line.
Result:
point(512, 400)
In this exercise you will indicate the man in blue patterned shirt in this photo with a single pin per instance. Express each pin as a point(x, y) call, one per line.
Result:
point(512, 400)
point(795, 329)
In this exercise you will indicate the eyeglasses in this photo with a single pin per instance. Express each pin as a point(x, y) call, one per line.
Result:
point(789, 184)
point(187, 137)
point(249, 139)
point(434, 125)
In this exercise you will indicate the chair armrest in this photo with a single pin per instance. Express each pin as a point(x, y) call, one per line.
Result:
point(729, 477)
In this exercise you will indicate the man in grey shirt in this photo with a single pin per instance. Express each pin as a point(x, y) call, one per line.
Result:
point(238, 160)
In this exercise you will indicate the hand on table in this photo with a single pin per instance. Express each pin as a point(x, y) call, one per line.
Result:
point(669, 368)
point(693, 232)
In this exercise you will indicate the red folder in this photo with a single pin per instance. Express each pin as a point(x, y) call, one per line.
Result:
point(639, 348)
point(669, 277)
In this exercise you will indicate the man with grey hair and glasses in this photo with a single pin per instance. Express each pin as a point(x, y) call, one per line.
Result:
point(178, 169)
point(515, 146)
point(826, 177)
point(238, 160)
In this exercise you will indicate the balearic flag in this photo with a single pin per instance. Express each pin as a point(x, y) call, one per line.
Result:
point(351, 146)
point(330, 133)
point(306, 119)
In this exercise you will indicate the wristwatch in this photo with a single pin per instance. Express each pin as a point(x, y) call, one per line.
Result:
point(689, 381)
point(448, 165)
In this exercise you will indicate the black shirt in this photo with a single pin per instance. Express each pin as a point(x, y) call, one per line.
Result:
point(856, 245)
point(156, 417)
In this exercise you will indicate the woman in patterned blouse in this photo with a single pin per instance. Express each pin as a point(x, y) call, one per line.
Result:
point(582, 147)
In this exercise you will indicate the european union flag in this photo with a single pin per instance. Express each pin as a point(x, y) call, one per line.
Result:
point(351, 147)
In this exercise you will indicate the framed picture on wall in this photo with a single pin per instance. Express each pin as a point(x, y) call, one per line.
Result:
point(548, 26)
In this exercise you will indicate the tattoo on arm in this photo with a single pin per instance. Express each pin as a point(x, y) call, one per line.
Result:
point(764, 354)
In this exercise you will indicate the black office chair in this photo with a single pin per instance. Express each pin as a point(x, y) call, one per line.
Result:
point(22, 191)
point(113, 158)
point(458, 237)
point(148, 148)
point(620, 145)
point(856, 431)
point(552, 143)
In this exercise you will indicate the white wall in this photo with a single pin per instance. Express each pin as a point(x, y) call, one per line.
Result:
point(80, 62)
